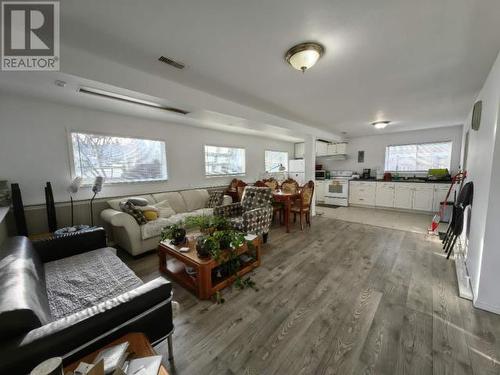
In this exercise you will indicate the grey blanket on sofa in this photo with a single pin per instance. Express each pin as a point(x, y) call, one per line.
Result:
point(83, 280)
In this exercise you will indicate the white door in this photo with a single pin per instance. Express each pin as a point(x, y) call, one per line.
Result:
point(403, 195)
point(440, 191)
point(385, 194)
point(422, 197)
point(299, 150)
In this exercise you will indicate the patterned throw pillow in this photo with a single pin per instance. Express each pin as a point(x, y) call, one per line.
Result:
point(215, 199)
point(137, 214)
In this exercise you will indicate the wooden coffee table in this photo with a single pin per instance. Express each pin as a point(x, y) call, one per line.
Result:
point(172, 262)
point(139, 347)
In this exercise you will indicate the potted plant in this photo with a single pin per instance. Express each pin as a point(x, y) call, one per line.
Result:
point(200, 249)
point(175, 233)
point(207, 224)
point(229, 238)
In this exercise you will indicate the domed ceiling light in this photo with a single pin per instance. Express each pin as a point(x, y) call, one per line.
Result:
point(380, 124)
point(304, 55)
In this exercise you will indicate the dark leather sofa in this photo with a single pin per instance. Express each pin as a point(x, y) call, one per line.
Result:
point(29, 334)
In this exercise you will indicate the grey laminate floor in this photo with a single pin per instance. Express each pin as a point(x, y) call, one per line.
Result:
point(339, 298)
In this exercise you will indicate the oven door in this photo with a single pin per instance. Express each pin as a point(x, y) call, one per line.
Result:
point(337, 189)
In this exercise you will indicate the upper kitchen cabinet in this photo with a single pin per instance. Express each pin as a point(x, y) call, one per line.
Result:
point(331, 149)
point(299, 150)
point(321, 148)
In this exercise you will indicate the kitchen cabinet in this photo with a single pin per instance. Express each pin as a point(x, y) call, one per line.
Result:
point(440, 191)
point(423, 195)
point(331, 149)
point(362, 192)
point(299, 150)
point(321, 148)
point(320, 188)
point(385, 194)
point(403, 195)
point(341, 148)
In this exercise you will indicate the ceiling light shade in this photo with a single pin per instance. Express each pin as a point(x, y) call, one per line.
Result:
point(303, 56)
point(380, 124)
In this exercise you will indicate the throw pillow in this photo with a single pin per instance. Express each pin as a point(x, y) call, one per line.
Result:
point(146, 208)
point(215, 199)
point(164, 209)
point(130, 209)
point(138, 201)
point(150, 215)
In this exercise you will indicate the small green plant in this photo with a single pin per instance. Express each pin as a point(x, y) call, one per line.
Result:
point(174, 232)
point(207, 224)
point(211, 245)
point(229, 239)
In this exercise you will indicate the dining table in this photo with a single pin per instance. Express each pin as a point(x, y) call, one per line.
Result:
point(287, 199)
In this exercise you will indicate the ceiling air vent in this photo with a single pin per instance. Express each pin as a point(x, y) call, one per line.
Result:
point(171, 62)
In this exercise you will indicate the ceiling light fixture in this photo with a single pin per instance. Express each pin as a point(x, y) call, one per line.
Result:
point(129, 99)
point(380, 124)
point(304, 55)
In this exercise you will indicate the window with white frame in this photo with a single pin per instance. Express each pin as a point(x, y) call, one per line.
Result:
point(418, 157)
point(224, 161)
point(118, 159)
point(275, 160)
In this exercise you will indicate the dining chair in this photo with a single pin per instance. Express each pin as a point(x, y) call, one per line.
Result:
point(290, 186)
point(278, 207)
point(302, 206)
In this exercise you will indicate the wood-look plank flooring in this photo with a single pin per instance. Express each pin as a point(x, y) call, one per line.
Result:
point(337, 298)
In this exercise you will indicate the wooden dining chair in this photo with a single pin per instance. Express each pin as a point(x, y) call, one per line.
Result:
point(235, 189)
point(278, 207)
point(272, 183)
point(290, 186)
point(302, 206)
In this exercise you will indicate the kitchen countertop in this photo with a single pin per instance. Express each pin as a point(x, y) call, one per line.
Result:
point(407, 181)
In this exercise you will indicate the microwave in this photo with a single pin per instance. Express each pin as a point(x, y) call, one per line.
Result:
point(320, 174)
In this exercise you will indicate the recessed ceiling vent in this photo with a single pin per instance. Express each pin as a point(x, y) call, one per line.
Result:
point(171, 62)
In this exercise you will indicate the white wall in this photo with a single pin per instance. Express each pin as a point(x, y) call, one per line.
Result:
point(483, 165)
point(374, 147)
point(34, 148)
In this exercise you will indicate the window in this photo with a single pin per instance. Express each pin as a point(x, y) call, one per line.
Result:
point(224, 161)
point(118, 159)
point(274, 160)
point(418, 157)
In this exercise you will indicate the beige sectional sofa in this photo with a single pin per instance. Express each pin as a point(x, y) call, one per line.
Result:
point(137, 239)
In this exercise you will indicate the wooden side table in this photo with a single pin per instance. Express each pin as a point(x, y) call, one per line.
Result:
point(202, 284)
point(139, 347)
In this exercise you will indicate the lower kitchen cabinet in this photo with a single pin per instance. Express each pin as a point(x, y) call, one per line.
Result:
point(440, 192)
point(403, 196)
point(362, 192)
point(319, 191)
point(423, 195)
point(385, 194)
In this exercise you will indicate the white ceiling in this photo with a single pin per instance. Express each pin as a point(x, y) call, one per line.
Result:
point(419, 63)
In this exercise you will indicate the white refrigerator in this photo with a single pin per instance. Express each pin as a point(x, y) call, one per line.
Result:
point(296, 170)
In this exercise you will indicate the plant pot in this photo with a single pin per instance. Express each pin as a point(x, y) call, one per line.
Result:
point(225, 243)
point(179, 236)
point(201, 250)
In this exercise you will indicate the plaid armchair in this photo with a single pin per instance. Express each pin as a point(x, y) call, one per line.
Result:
point(253, 214)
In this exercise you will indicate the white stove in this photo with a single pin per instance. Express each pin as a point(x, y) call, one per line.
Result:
point(337, 191)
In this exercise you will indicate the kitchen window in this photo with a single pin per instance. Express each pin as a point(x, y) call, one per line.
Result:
point(117, 159)
point(418, 157)
point(224, 161)
point(274, 160)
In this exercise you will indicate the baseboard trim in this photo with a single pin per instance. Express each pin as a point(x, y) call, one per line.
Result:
point(487, 307)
